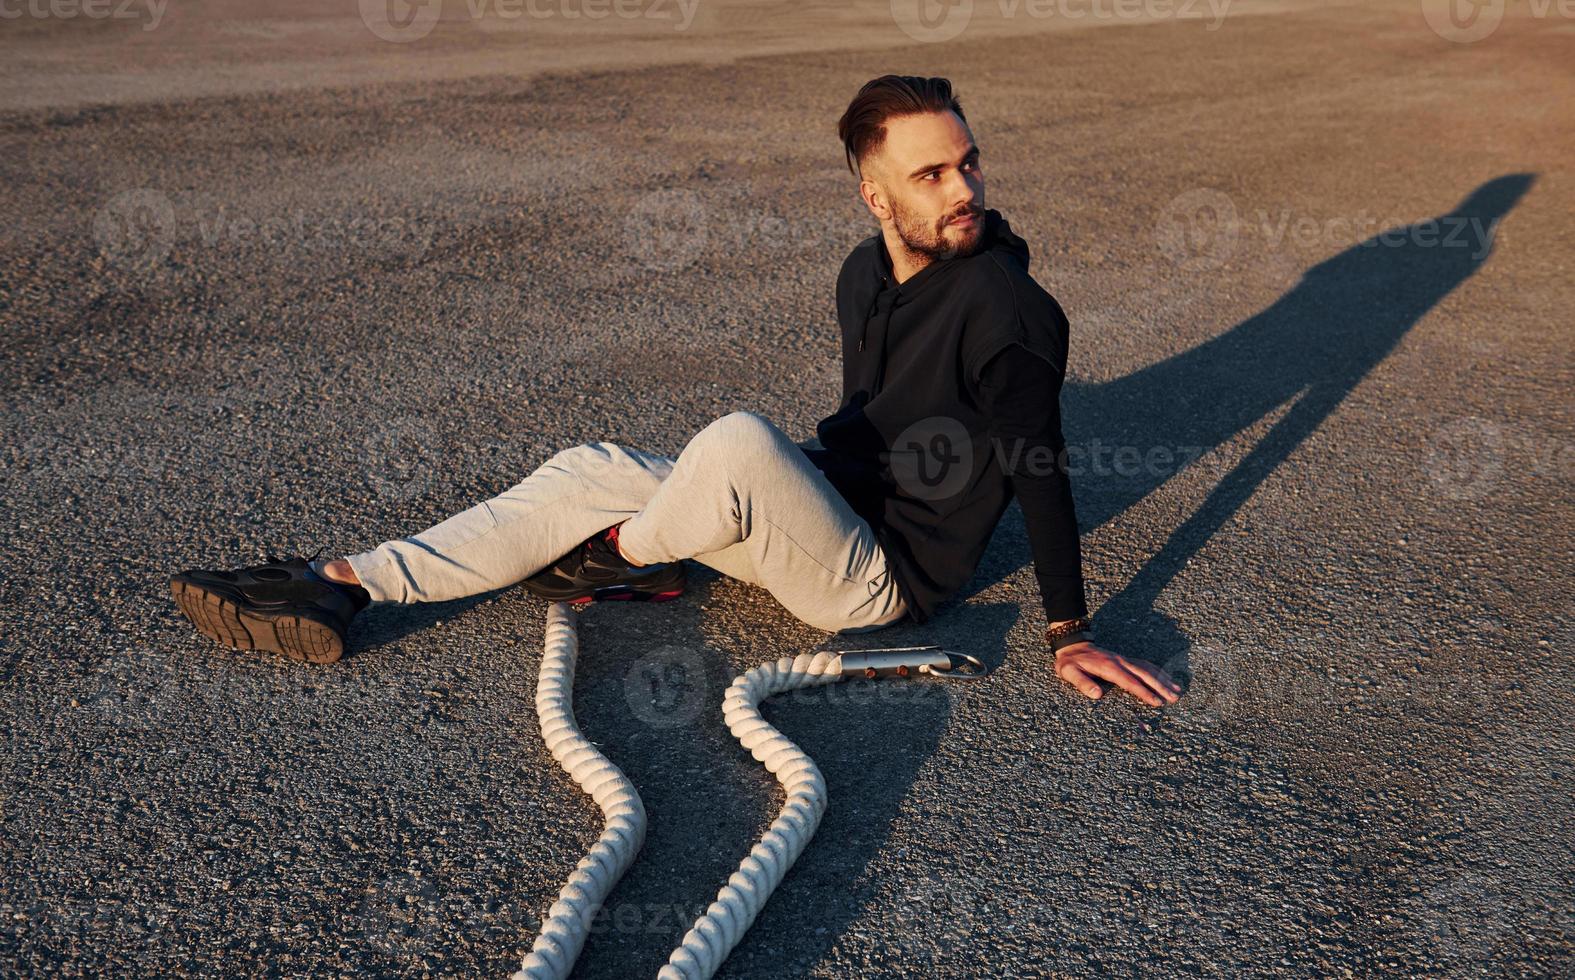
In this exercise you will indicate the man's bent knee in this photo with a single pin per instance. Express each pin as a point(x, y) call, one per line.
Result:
point(742, 433)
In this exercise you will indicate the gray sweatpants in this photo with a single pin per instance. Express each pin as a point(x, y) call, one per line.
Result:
point(741, 498)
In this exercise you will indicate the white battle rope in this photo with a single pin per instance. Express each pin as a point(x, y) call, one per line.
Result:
point(569, 919)
point(714, 934)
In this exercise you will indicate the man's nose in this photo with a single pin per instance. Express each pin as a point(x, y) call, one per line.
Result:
point(963, 193)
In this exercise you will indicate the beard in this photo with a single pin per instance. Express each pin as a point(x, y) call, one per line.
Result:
point(937, 239)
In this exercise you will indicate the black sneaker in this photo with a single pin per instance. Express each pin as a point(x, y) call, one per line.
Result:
point(595, 570)
point(282, 606)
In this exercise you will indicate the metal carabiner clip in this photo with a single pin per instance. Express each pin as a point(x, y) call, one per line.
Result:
point(962, 667)
point(908, 661)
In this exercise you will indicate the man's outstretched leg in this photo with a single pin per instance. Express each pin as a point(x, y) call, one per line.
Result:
point(565, 508)
point(303, 610)
point(742, 498)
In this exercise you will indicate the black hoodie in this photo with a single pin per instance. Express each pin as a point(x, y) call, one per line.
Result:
point(909, 447)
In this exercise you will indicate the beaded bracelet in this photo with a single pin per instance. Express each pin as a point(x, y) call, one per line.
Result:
point(1075, 631)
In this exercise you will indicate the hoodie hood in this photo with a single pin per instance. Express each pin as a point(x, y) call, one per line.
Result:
point(998, 237)
point(885, 294)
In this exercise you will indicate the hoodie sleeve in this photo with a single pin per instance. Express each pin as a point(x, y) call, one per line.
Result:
point(1020, 393)
point(1008, 308)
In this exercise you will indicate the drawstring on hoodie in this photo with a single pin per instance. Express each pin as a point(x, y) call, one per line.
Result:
point(870, 312)
point(874, 304)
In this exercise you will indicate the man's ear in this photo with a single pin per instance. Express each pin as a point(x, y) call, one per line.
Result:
point(875, 199)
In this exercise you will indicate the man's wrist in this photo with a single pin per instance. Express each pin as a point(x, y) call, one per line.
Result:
point(1067, 632)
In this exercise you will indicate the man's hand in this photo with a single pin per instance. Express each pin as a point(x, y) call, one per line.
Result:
point(1084, 665)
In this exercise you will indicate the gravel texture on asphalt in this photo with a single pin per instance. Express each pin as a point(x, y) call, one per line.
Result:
point(1318, 267)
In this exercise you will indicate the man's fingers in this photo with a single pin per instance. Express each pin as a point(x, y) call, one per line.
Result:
point(1156, 679)
point(1139, 678)
point(1117, 673)
point(1079, 679)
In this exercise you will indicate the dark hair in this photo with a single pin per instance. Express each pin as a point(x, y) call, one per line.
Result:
point(863, 127)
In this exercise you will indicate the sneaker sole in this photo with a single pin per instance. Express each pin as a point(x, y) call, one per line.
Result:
point(622, 593)
point(228, 624)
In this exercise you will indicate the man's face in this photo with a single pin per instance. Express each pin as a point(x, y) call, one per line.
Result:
point(927, 173)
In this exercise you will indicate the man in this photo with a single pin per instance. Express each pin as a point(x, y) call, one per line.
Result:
point(953, 358)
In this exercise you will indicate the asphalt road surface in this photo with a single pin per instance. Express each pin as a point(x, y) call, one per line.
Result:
point(270, 283)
